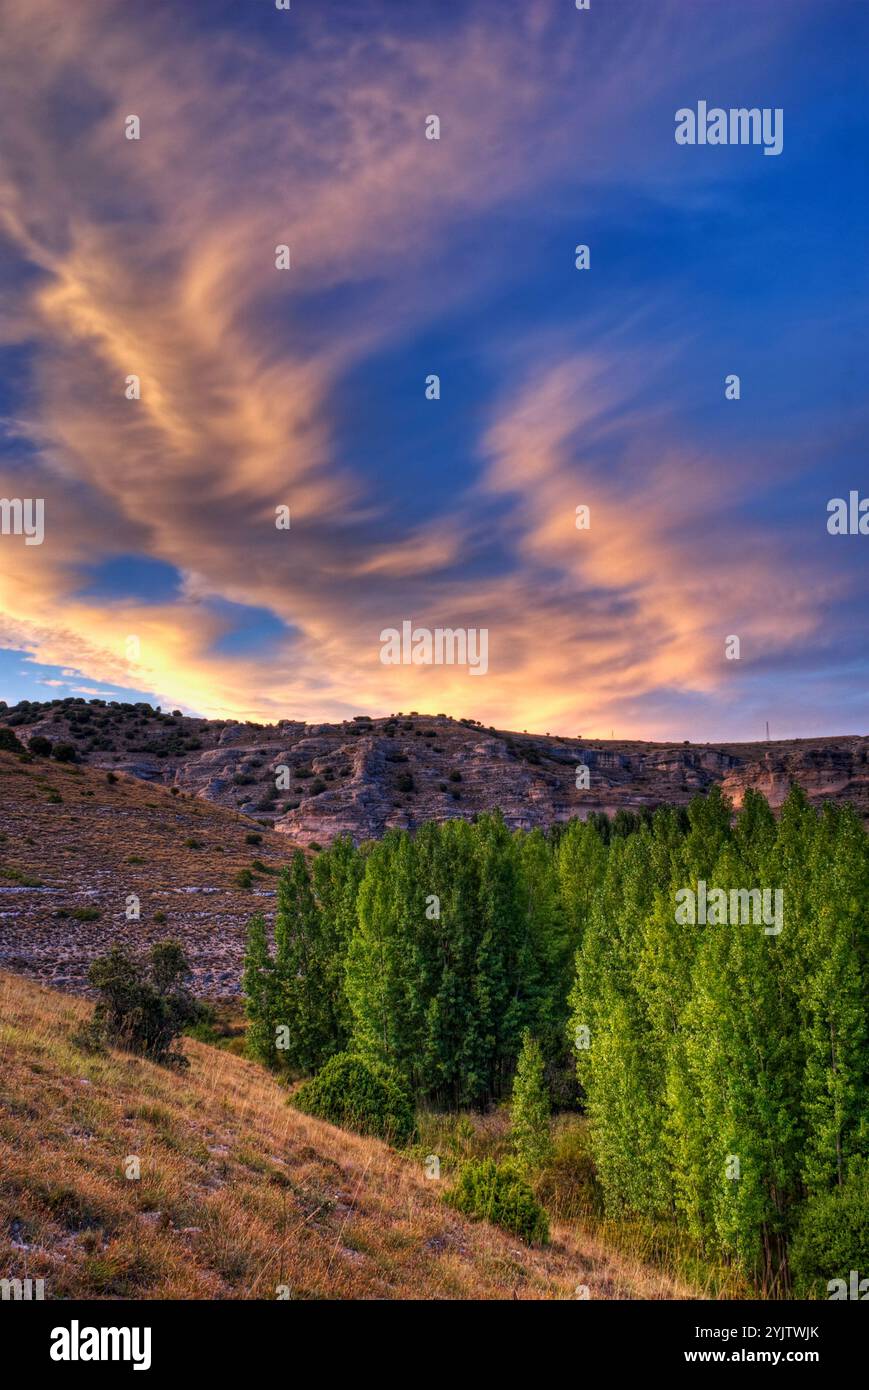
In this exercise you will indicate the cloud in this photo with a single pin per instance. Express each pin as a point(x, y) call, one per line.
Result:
point(672, 563)
point(156, 258)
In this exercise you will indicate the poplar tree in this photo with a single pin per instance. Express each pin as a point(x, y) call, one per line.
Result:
point(302, 971)
point(529, 1111)
point(259, 987)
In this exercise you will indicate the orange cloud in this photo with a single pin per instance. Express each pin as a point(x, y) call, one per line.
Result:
point(156, 258)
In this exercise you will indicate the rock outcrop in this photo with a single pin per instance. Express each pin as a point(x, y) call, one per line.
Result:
point(358, 778)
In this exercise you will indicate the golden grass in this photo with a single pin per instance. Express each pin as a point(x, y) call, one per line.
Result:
point(238, 1193)
point(567, 1187)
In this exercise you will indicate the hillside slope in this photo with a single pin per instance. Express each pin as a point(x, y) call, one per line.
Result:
point(365, 775)
point(238, 1193)
point(74, 848)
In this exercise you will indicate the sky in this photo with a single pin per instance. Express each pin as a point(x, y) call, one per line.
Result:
point(163, 575)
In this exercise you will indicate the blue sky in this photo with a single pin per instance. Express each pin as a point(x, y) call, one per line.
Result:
point(559, 387)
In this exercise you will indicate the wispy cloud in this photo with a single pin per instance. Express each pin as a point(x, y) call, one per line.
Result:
point(156, 258)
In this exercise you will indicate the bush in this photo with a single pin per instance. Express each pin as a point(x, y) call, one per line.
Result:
point(253, 838)
point(65, 752)
point(832, 1236)
point(143, 1007)
point(244, 879)
point(258, 867)
point(9, 743)
point(40, 746)
point(361, 1095)
point(567, 1185)
point(497, 1192)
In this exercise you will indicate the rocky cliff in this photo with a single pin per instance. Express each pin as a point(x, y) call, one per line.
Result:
point(312, 782)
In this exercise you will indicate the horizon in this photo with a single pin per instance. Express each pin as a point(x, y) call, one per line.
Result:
point(305, 396)
point(467, 720)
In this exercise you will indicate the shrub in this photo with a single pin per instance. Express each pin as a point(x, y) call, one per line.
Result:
point(405, 782)
point(9, 742)
point(143, 1007)
point(16, 876)
point(191, 843)
point(832, 1235)
point(65, 752)
point(455, 776)
point(497, 1192)
point(40, 746)
point(244, 879)
point(259, 867)
point(253, 838)
point(567, 1185)
point(85, 914)
point(111, 777)
point(361, 1095)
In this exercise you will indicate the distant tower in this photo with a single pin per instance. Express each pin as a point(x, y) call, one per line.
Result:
point(767, 731)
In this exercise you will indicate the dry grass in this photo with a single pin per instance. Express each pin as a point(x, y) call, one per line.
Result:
point(99, 842)
point(238, 1193)
point(567, 1187)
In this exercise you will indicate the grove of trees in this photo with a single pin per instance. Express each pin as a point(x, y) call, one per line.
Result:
point(724, 1069)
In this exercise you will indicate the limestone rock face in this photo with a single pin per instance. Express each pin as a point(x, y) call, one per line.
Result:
point(312, 782)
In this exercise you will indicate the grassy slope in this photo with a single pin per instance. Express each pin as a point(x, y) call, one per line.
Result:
point(105, 840)
point(238, 1192)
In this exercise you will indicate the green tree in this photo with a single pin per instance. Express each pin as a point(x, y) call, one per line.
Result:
point(304, 1016)
point(529, 1112)
point(260, 994)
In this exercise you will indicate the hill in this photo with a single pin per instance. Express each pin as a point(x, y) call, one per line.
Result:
point(75, 847)
point(238, 1193)
point(365, 775)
